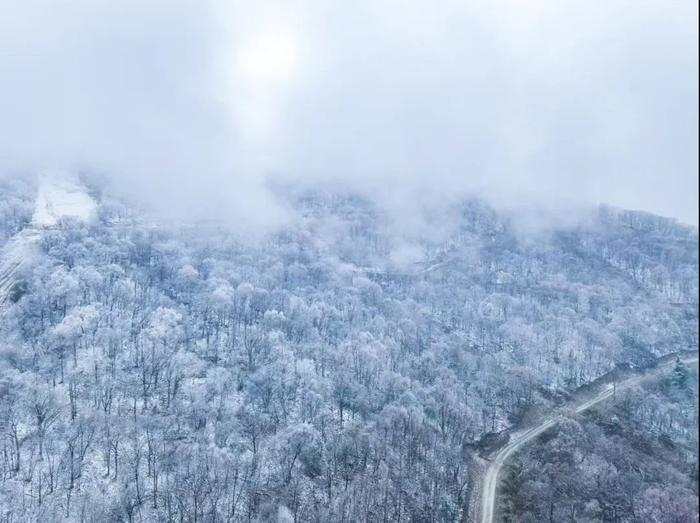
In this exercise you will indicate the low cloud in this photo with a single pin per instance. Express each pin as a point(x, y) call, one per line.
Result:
point(195, 107)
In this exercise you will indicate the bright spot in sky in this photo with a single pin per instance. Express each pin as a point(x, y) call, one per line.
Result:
point(268, 57)
point(266, 70)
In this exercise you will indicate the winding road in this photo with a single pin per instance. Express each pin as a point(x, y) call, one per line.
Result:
point(519, 439)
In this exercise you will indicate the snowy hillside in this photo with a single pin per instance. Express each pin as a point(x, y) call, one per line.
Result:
point(181, 373)
point(61, 195)
point(58, 196)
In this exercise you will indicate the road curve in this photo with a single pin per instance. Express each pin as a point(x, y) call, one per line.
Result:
point(518, 439)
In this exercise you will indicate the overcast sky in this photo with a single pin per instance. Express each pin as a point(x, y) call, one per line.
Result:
point(196, 104)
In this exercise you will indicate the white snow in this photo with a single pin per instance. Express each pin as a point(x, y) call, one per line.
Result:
point(14, 255)
point(61, 195)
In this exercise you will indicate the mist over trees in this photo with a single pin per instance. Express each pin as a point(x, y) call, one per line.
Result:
point(331, 371)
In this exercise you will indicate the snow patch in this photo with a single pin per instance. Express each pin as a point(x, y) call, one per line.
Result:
point(61, 195)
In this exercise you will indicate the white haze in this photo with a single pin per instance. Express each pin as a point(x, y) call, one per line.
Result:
point(196, 106)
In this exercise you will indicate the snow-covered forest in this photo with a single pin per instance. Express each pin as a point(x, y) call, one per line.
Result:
point(333, 370)
point(636, 462)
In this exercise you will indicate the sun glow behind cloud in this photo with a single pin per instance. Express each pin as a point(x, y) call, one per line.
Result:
point(549, 100)
point(270, 57)
point(265, 60)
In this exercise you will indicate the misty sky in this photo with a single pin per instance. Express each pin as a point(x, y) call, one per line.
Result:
point(198, 104)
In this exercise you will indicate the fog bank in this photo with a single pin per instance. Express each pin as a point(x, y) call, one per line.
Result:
point(195, 107)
